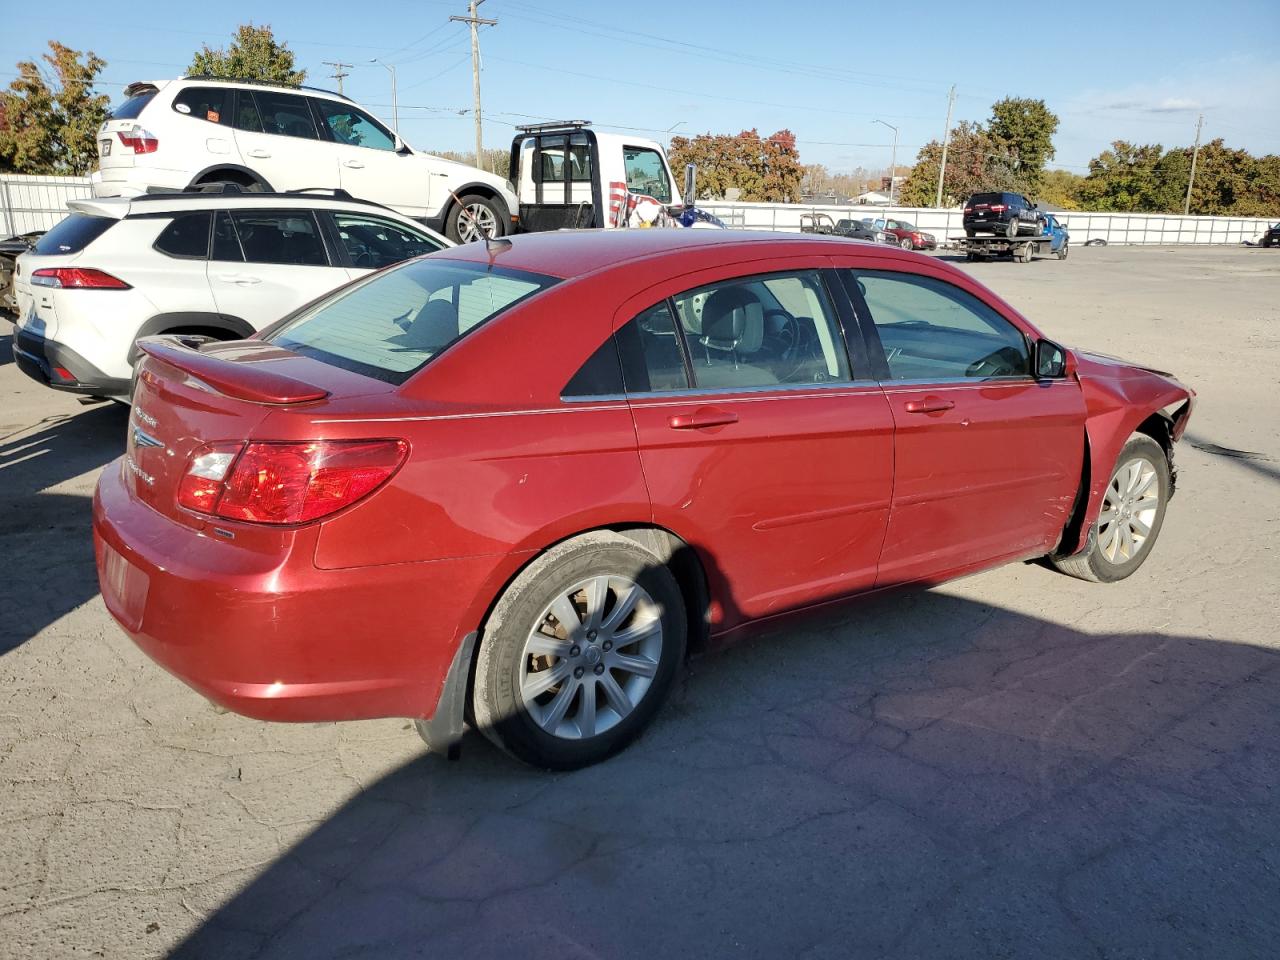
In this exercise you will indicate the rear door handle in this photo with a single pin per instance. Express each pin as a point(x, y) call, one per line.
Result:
point(353, 164)
point(929, 405)
point(260, 154)
point(241, 278)
point(707, 417)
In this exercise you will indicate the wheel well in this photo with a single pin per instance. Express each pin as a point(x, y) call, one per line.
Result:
point(475, 189)
point(229, 175)
point(1158, 428)
point(685, 565)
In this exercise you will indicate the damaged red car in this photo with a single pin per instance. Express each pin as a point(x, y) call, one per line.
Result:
point(506, 484)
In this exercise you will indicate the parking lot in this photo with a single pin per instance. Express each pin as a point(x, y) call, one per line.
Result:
point(1017, 764)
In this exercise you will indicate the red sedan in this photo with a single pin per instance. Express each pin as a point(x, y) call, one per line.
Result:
point(510, 481)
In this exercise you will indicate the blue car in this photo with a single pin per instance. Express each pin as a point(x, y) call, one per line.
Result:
point(1059, 239)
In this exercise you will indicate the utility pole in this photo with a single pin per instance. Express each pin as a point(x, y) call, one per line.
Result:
point(893, 164)
point(476, 22)
point(395, 107)
point(946, 140)
point(1186, 207)
point(338, 72)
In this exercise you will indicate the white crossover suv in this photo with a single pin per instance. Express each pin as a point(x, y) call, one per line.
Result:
point(221, 265)
point(171, 134)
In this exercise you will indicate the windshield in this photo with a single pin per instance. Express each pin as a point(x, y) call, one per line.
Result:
point(390, 326)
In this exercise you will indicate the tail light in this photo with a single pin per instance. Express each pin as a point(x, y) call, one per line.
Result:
point(998, 208)
point(139, 140)
point(968, 209)
point(286, 482)
point(79, 278)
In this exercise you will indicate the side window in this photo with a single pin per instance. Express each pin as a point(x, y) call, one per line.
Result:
point(246, 115)
point(186, 237)
point(285, 114)
point(600, 376)
point(205, 103)
point(284, 236)
point(373, 243)
point(651, 353)
point(226, 244)
point(931, 330)
point(646, 173)
point(551, 150)
point(773, 330)
point(579, 158)
point(347, 125)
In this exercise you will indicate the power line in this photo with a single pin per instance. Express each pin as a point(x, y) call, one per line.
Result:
point(476, 22)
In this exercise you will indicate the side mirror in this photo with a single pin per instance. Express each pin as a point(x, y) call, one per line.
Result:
point(1052, 361)
point(690, 184)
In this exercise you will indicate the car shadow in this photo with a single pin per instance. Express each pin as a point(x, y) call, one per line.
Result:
point(45, 537)
point(1258, 463)
point(915, 775)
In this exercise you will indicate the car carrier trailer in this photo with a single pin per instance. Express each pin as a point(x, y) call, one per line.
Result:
point(1054, 240)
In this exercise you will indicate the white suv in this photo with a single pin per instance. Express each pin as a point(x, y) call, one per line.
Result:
point(171, 134)
point(218, 265)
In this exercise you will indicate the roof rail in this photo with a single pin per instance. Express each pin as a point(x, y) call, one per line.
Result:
point(554, 125)
point(266, 83)
point(235, 189)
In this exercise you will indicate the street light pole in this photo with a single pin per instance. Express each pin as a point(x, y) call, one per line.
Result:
point(395, 106)
point(893, 164)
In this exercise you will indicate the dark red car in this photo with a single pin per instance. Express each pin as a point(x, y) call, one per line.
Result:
point(907, 235)
point(509, 481)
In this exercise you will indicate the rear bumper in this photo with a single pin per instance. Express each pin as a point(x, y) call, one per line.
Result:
point(138, 181)
point(271, 636)
point(42, 360)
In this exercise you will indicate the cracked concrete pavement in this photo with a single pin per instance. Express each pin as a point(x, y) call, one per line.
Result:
point(1017, 764)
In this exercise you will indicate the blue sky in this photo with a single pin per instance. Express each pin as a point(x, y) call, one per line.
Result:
point(1140, 71)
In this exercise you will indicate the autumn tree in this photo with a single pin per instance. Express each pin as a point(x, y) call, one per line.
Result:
point(761, 168)
point(50, 123)
point(254, 54)
point(1021, 132)
point(972, 165)
point(1061, 188)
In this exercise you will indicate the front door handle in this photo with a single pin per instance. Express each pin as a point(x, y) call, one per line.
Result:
point(706, 417)
point(260, 154)
point(241, 278)
point(353, 164)
point(929, 405)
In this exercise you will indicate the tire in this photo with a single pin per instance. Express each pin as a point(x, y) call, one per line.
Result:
point(1103, 560)
point(1011, 229)
point(1025, 254)
point(489, 213)
point(544, 721)
point(970, 232)
point(906, 244)
point(971, 257)
point(1062, 251)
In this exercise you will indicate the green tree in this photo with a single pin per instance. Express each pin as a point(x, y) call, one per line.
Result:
point(1061, 188)
point(761, 168)
point(254, 54)
point(1125, 178)
point(1021, 130)
point(50, 125)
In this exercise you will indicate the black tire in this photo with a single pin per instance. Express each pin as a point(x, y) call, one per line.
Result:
point(498, 706)
point(1091, 563)
point(971, 257)
point(1011, 228)
point(494, 208)
point(1062, 251)
point(970, 232)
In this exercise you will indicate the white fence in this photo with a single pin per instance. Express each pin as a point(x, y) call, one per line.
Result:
point(37, 203)
point(30, 203)
point(1146, 228)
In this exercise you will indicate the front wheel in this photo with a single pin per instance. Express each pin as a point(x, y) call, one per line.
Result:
point(1062, 251)
point(476, 218)
point(1131, 515)
point(579, 653)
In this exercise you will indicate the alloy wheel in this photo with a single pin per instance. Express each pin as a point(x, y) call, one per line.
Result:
point(591, 657)
point(476, 223)
point(1129, 510)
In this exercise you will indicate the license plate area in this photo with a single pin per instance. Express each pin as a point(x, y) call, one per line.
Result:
point(104, 148)
point(124, 588)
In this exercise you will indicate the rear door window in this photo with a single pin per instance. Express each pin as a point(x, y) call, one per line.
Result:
point(72, 234)
point(212, 104)
point(281, 236)
point(186, 237)
point(226, 243)
point(284, 114)
point(391, 325)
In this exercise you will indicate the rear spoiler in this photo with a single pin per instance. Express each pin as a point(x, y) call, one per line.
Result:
point(143, 86)
point(241, 381)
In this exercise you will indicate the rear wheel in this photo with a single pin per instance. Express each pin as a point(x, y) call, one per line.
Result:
point(477, 218)
point(906, 244)
point(579, 653)
point(1011, 229)
point(970, 232)
point(1131, 515)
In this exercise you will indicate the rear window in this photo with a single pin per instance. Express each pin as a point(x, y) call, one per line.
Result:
point(131, 107)
point(390, 326)
point(987, 198)
point(205, 103)
point(72, 234)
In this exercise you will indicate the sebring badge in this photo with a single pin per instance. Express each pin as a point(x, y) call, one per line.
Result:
point(132, 466)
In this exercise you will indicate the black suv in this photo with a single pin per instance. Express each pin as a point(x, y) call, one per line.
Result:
point(1002, 214)
point(1272, 237)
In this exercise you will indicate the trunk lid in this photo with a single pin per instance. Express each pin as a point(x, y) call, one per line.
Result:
point(187, 397)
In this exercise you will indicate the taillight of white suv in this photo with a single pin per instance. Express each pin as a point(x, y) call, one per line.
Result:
point(139, 140)
point(77, 278)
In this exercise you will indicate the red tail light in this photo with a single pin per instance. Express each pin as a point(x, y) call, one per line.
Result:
point(968, 209)
point(287, 482)
point(998, 208)
point(80, 278)
point(139, 140)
